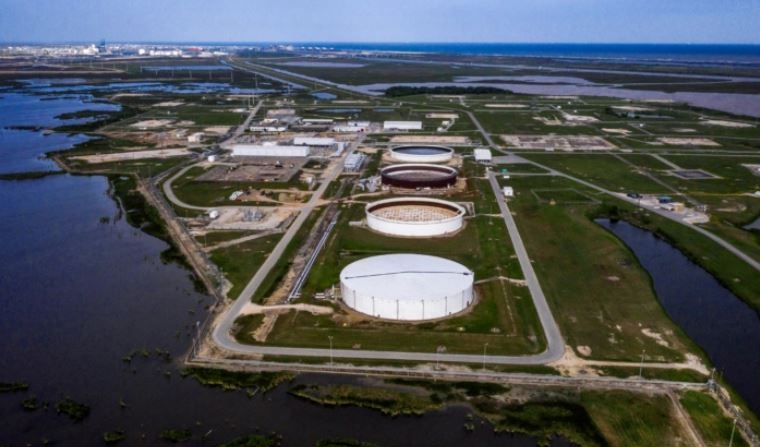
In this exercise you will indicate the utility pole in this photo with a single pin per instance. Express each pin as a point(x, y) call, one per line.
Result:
point(485, 346)
point(733, 430)
point(331, 353)
point(641, 365)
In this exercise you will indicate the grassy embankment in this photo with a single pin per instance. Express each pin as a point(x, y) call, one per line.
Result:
point(588, 418)
point(709, 419)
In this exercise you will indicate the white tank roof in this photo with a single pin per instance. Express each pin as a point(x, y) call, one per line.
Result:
point(407, 276)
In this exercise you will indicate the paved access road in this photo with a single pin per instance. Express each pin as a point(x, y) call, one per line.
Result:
point(221, 333)
point(555, 344)
point(666, 214)
point(738, 253)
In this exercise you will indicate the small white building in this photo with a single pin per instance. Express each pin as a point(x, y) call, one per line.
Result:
point(195, 138)
point(444, 116)
point(270, 129)
point(211, 158)
point(269, 150)
point(351, 126)
point(354, 162)
point(482, 155)
point(508, 191)
point(402, 125)
point(313, 141)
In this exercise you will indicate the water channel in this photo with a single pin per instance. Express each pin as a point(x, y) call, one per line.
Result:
point(725, 327)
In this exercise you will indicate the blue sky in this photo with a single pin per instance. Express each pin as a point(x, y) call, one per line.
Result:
point(635, 21)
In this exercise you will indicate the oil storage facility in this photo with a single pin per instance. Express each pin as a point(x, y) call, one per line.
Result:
point(407, 287)
point(415, 217)
point(415, 176)
point(422, 154)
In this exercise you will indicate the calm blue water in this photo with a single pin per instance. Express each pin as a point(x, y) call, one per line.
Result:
point(80, 289)
point(23, 150)
point(324, 96)
point(186, 68)
point(146, 87)
point(663, 52)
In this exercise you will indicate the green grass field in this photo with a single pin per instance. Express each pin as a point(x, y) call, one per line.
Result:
point(708, 417)
point(633, 420)
point(605, 304)
point(240, 262)
point(504, 318)
point(601, 169)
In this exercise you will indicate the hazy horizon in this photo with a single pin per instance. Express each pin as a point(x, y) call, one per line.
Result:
point(390, 21)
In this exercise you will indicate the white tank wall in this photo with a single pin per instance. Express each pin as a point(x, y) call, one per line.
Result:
point(417, 158)
point(407, 310)
point(415, 229)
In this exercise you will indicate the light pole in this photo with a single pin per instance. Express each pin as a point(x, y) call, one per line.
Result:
point(331, 356)
point(641, 365)
point(485, 347)
point(733, 430)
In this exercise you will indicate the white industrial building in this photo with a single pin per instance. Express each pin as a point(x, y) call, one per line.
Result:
point(351, 126)
point(269, 129)
point(313, 141)
point(269, 150)
point(408, 287)
point(195, 138)
point(508, 191)
point(354, 161)
point(415, 217)
point(402, 125)
point(483, 155)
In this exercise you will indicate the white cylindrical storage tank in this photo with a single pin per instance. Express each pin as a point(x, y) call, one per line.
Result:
point(422, 154)
point(406, 287)
point(415, 217)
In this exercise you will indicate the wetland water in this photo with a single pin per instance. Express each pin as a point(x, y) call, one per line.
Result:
point(80, 289)
point(737, 103)
point(725, 327)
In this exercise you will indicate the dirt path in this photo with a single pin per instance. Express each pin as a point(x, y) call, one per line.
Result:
point(571, 365)
point(679, 413)
point(254, 309)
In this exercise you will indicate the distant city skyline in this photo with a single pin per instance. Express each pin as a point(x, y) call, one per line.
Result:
point(517, 21)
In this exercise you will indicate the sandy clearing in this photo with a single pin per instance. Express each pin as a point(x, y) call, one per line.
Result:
point(617, 131)
point(572, 365)
point(688, 141)
point(134, 155)
point(725, 123)
point(217, 130)
point(169, 104)
point(255, 309)
point(507, 106)
point(656, 336)
point(151, 124)
point(579, 118)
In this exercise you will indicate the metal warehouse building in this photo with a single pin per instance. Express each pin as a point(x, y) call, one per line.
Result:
point(267, 150)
